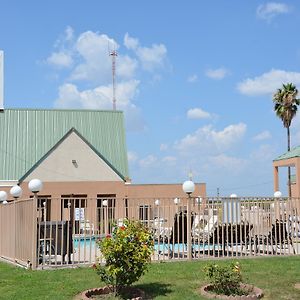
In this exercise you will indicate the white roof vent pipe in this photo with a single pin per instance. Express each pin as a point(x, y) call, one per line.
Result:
point(1, 80)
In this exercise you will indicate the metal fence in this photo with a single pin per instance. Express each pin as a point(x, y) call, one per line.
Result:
point(47, 232)
point(18, 232)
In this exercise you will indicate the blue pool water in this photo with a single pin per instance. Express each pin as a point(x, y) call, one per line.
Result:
point(91, 241)
point(84, 242)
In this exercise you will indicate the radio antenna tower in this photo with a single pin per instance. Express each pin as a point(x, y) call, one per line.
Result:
point(113, 55)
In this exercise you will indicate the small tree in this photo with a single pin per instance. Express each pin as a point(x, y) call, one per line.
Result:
point(285, 106)
point(225, 280)
point(127, 252)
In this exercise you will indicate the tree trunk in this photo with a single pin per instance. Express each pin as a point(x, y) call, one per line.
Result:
point(289, 168)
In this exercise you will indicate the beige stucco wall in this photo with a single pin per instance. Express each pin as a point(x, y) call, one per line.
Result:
point(162, 190)
point(58, 166)
point(292, 162)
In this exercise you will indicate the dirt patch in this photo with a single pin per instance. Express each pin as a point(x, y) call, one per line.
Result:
point(131, 293)
point(297, 286)
point(254, 293)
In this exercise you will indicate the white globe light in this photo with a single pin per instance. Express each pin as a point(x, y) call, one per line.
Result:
point(4, 202)
point(233, 196)
point(277, 194)
point(3, 196)
point(16, 191)
point(188, 187)
point(157, 202)
point(104, 202)
point(176, 201)
point(35, 185)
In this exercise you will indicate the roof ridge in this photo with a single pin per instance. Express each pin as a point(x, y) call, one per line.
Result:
point(294, 152)
point(62, 109)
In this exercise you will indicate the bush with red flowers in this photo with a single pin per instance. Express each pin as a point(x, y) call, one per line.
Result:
point(127, 252)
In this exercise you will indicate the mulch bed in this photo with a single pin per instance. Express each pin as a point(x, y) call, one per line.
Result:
point(255, 293)
point(135, 293)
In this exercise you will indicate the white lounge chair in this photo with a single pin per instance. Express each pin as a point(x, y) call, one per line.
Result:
point(86, 227)
point(161, 232)
point(203, 233)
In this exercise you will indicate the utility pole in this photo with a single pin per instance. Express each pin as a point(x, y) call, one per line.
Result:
point(113, 55)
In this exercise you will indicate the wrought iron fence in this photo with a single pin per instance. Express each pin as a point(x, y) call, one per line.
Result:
point(47, 232)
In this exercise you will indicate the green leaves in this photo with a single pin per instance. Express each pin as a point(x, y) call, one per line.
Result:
point(286, 103)
point(225, 279)
point(127, 252)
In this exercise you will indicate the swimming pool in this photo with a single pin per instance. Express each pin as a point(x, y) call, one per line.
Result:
point(159, 247)
point(84, 242)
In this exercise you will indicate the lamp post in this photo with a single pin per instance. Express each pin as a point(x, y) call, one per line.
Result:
point(188, 187)
point(277, 196)
point(3, 197)
point(35, 186)
point(157, 204)
point(105, 208)
point(16, 191)
point(176, 202)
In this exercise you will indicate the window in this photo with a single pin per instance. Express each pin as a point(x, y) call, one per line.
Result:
point(106, 213)
point(145, 212)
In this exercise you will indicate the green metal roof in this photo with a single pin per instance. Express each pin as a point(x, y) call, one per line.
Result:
point(295, 152)
point(26, 135)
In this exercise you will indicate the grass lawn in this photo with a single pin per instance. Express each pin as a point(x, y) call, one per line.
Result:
point(176, 280)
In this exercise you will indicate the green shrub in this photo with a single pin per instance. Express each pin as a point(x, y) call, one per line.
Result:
point(127, 252)
point(225, 279)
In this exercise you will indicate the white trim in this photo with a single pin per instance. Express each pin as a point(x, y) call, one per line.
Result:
point(7, 183)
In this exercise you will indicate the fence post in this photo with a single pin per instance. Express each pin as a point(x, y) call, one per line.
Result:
point(34, 232)
point(189, 244)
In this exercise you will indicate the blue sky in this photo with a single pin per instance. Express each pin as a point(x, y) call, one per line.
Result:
point(194, 78)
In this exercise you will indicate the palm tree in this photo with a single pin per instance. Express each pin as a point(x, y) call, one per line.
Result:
point(285, 107)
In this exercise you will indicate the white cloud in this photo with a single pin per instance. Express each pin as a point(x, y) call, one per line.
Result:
point(152, 57)
point(163, 147)
point(193, 78)
point(263, 153)
point(100, 98)
point(208, 139)
point(169, 159)
point(132, 157)
point(198, 113)
point(69, 33)
point(89, 82)
point(267, 83)
point(264, 135)
point(130, 42)
point(96, 64)
point(97, 98)
point(126, 66)
point(60, 59)
point(270, 10)
point(93, 63)
point(65, 39)
point(217, 74)
point(223, 161)
point(148, 161)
